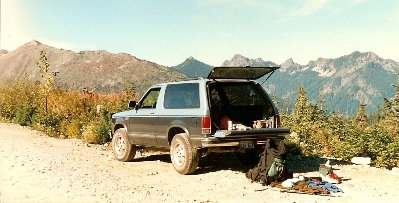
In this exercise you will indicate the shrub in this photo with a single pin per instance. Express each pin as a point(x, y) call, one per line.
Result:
point(48, 123)
point(88, 135)
point(25, 114)
point(72, 129)
point(102, 127)
point(97, 132)
point(388, 157)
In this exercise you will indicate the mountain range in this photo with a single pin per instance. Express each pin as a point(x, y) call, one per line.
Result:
point(91, 70)
point(344, 82)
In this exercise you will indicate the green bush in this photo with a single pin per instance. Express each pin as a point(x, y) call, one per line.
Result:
point(388, 157)
point(102, 127)
point(25, 114)
point(97, 132)
point(48, 123)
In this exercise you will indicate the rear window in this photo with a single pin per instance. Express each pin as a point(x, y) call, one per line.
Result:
point(239, 94)
point(182, 96)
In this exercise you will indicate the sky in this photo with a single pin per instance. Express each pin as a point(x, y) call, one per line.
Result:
point(211, 31)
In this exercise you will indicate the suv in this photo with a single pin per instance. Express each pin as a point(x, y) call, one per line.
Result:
point(226, 112)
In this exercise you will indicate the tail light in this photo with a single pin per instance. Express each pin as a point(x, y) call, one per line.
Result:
point(277, 121)
point(206, 125)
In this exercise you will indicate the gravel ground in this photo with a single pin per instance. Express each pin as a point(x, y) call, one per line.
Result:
point(37, 168)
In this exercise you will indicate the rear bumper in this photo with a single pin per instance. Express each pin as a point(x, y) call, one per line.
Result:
point(232, 138)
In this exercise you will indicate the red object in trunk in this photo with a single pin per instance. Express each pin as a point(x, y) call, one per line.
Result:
point(277, 122)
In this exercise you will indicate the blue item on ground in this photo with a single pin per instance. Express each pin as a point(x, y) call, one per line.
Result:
point(325, 185)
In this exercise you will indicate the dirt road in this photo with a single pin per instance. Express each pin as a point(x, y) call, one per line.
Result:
point(37, 168)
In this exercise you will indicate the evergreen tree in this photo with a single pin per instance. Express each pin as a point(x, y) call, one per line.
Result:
point(395, 108)
point(302, 117)
point(361, 117)
point(391, 113)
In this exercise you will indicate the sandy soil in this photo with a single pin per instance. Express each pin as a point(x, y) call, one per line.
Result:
point(37, 168)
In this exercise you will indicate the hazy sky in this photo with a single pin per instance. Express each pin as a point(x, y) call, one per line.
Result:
point(168, 31)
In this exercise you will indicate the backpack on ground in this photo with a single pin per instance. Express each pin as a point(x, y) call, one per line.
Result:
point(271, 165)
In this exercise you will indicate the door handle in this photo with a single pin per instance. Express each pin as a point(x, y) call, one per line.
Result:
point(152, 113)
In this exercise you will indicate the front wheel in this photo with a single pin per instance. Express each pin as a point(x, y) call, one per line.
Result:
point(121, 147)
point(184, 157)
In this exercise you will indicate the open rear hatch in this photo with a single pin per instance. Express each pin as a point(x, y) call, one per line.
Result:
point(249, 73)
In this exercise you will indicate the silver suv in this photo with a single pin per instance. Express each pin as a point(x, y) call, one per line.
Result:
point(226, 112)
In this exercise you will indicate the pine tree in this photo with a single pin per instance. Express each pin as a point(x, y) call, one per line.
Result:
point(301, 117)
point(391, 113)
point(395, 109)
point(361, 117)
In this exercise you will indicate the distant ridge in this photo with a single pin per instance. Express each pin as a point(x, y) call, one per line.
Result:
point(98, 70)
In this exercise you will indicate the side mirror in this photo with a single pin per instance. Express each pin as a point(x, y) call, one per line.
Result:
point(132, 104)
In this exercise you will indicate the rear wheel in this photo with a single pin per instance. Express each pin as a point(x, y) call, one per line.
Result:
point(121, 147)
point(184, 157)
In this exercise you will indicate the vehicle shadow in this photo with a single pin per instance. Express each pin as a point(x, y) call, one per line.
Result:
point(217, 162)
point(209, 163)
point(154, 157)
point(230, 161)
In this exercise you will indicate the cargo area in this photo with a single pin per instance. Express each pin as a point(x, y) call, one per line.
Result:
point(240, 106)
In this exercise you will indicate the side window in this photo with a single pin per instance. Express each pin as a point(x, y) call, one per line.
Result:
point(182, 96)
point(150, 100)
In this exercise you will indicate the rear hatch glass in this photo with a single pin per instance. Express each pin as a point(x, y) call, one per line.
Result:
point(249, 73)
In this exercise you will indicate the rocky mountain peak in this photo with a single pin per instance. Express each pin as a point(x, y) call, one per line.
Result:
point(193, 68)
point(321, 62)
point(241, 61)
point(239, 57)
point(33, 43)
point(237, 60)
point(190, 60)
point(289, 62)
point(372, 55)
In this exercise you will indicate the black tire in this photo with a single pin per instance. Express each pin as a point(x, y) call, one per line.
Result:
point(122, 149)
point(184, 157)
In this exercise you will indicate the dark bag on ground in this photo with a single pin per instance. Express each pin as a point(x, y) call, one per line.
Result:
point(271, 166)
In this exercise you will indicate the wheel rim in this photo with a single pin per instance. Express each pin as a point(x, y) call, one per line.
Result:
point(120, 146)
point(179, 154)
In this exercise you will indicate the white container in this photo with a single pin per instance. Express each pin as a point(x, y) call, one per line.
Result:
point(230, 125)
point(361, 160)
